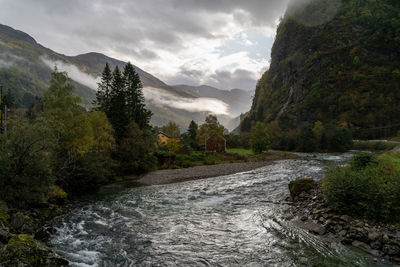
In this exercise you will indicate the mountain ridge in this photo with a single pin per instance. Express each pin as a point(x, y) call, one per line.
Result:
point(24, 72)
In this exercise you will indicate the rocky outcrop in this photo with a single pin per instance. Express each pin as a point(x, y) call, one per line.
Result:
point(300, 186)
point(378, 239)
point(24, 250)
point(20, 232)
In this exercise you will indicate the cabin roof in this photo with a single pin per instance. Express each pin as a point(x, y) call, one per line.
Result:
point(159, 132)
point(218, 136)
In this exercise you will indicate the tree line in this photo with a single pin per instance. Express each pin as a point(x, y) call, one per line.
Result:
point(58, 146)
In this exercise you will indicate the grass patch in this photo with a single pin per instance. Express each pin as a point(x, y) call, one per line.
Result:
point(240, 151)
point(374, 146)
point(200, 158)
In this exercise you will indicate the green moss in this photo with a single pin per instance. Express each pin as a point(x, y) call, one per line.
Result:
point(56, 194)
point(3, 215)
point(25, 250)
point(298, 186)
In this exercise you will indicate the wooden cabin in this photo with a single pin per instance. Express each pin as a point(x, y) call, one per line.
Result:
point(215, 144)
point(162, 138)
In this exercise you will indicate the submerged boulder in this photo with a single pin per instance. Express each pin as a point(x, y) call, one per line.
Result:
point(299, 186)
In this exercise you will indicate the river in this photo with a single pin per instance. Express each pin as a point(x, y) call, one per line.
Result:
point(234, 220)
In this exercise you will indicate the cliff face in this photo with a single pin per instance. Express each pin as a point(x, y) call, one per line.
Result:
point(334, 61)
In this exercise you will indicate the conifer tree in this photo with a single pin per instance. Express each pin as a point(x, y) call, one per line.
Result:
point(102, 101)
point(136, 108)
point(192, 130)
point(120, 96)
point(117, 113)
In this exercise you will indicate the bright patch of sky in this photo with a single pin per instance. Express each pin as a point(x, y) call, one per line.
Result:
point(257, 45)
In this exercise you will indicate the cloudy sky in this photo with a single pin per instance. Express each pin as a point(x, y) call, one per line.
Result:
point(222, 43)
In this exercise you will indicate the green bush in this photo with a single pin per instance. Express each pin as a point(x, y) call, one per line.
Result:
point(362, 160)
point(337, 139)
point(25, 171)
point(88, 173)
point(366, 190)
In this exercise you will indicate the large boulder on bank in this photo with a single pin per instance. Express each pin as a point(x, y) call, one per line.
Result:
point(299, 186)
point(24, 250)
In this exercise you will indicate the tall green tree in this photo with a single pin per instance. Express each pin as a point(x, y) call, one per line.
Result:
point(66, 117)
point(102, 100)
point(136, 107)
point(259, 138)
point(25, 162)
point(192, 135)
point(211, 128)
point(120, 96)
point(118, 113)
point(172, 129)
point(192, 130)
point(83, 140)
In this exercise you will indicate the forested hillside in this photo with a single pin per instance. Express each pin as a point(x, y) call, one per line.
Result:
point(336, 62)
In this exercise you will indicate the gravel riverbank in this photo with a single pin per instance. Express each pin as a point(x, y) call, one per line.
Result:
point(199, 172)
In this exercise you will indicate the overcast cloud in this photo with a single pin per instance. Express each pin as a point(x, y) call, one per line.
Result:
point(223, 43)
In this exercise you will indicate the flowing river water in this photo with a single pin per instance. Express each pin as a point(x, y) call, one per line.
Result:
point(235, 220)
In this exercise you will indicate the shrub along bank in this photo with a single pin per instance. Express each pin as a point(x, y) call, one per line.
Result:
point(369, 187)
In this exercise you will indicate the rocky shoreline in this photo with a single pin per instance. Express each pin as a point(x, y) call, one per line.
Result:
point(22, 236)
point(381, 241)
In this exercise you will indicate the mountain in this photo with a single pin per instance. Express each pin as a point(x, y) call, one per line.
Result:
point(23, 72)
point(337, 62)
point(26, 66)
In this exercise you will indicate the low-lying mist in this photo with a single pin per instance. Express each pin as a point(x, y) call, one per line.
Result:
point(7, 59)
point(73, 72)
point(202, 104)
point(151, 94)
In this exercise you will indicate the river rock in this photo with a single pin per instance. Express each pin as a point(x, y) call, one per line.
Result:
point(315, 228)
point(4, 235)
point(345, 218)
point(299, 186)
point(391, 250)
point(385, 238)
point(361, 245)
point(21, 223)
point(373, 235)
point(343, 233)
point(376, 245)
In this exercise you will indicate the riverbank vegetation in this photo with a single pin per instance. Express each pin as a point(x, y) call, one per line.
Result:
point(369, 187)
point(315, 137)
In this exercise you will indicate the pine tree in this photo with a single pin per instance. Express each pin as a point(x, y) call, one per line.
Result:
point(192, 133)
point(120, 96)
point(102, 101)
point(117, 113)
point(136, 108)
point(192, 130)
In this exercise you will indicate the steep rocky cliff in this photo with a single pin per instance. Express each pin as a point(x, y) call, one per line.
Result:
point(334, 61)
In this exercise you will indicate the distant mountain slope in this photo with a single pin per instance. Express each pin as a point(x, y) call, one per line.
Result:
point(335, 62)
point(26, 66)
